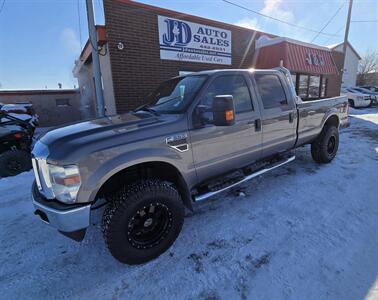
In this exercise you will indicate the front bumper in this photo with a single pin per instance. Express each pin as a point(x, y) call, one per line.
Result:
point(71, 220)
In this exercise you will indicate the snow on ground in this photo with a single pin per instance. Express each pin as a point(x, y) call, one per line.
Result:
point(304, 231)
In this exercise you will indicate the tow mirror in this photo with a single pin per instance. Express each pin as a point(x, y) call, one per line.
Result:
point(223, 110)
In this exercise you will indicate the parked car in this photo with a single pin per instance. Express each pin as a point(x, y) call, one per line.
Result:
point(16, 136)
point(356, 99)
point(371, 88)
point(370, 91)
point(200, 135)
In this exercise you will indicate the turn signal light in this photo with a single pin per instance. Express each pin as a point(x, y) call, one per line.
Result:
point(229, 115)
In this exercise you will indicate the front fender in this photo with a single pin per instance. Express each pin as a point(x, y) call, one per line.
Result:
point(106, 169)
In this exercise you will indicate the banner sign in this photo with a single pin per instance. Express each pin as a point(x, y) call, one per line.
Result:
point(187, 41)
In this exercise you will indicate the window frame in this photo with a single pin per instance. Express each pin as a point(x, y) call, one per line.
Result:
point(252, 109)
point(66, 104)
point(280, 106)
point(323, 78)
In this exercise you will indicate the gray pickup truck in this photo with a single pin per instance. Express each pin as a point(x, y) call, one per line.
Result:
point(199, 135)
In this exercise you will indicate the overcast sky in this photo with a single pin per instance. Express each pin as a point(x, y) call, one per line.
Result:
point(40, 39)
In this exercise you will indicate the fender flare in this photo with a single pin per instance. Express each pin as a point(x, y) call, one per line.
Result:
point(330, 114)
point(126, 160)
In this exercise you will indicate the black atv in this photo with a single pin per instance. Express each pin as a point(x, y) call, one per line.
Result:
point(16, 137)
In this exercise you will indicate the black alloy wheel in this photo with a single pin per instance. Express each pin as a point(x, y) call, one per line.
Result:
point(149, 226)
point(142, 220)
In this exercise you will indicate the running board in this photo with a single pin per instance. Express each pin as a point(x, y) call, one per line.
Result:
point(260, 172)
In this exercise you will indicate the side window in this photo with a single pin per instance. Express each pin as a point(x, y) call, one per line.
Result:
point(271, 90)
point(234, 85)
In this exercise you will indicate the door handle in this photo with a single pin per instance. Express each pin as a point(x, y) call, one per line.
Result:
point(291, 117)
point(311, 112)
point(258, 125)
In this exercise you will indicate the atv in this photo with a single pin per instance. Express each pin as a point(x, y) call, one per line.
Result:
point(16, 137)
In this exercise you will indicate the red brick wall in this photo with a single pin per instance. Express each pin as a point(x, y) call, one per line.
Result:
point(138, 69)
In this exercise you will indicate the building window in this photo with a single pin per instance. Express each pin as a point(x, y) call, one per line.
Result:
point(62, 102)
point(310, 87)
point(314, 87)
point(303, 86)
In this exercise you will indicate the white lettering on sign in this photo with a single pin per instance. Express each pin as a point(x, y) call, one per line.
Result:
point(187, 41)
point(315, 59)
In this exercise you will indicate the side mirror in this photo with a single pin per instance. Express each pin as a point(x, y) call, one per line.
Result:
point(223, 110)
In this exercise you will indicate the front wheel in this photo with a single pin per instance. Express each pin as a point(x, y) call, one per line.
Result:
point(324, 148)
point(142, 221)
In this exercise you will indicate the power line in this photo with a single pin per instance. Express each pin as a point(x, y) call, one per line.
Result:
point(2, 6)
point(363, 21)
point(329, 21)
point(276, 19)
point(341, 28)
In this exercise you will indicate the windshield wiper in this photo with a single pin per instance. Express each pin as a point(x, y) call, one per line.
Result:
point(147, 108)
point(171, 99)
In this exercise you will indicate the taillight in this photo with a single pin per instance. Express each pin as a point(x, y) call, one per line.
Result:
point(18, 135)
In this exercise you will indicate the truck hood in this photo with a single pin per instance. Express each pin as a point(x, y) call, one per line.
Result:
point(96, 134)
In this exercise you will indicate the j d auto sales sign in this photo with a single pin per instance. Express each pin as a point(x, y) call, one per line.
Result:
point(187, 41)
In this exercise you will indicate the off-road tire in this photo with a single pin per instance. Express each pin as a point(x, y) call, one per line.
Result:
point(320, 148)
point(125, 204)
point(13, 162)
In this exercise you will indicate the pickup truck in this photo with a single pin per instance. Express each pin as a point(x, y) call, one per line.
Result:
point(199, 135)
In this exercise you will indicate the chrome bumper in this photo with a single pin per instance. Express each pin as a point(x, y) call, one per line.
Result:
point(67, 220)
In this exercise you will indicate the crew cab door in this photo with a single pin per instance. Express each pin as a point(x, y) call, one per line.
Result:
point(278, 113)
point(219, 149)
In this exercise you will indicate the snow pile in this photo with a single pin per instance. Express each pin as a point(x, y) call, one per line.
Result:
point(304, 231)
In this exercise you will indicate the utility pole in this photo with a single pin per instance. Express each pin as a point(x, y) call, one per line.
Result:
point(95, 59)
point(347, 32)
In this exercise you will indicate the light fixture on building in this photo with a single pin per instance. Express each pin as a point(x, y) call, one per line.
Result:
point(120, 46)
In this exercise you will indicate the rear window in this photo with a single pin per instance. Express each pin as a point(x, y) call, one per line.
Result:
point(271, 90)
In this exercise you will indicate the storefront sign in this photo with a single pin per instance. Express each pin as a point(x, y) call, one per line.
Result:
point(187, 41)
point(315, 59)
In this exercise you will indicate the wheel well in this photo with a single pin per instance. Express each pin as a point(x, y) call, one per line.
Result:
point(332, 121)
point(161, 170)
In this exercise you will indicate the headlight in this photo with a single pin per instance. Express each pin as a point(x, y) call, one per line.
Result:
point(65, 182)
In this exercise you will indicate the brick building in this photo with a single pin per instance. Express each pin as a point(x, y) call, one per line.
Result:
point(54, 107)
point(145, 45)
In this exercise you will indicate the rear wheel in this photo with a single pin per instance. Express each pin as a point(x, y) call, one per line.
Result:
point(142, 221)
point(324, 149)
point(13, 162)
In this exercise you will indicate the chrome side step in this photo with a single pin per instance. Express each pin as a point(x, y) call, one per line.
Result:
point(262, 171)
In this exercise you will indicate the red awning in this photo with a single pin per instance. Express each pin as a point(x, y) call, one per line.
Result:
point(296, 57)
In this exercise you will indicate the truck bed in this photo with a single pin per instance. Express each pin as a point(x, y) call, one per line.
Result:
point(313, 115)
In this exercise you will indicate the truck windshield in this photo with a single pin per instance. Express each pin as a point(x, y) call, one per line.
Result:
point(174, 95)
